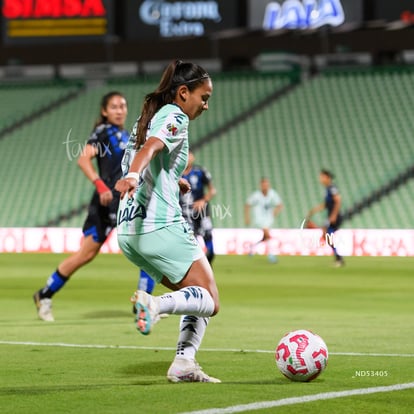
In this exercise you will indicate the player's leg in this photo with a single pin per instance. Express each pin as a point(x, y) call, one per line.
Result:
point(330, 239)
point(271, 255)
point(195, 294)
point(98, 225)
point(184, 367)
point(207, 234)
point(145, 282)
point(195, 287)
point(88, 250)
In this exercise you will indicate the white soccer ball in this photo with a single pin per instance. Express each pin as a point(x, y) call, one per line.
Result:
point(301, 355)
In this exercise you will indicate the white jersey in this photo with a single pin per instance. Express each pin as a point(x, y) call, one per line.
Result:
point(263, 206)
point(155, 203)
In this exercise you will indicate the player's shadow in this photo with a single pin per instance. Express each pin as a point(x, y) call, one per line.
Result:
point(147, 373)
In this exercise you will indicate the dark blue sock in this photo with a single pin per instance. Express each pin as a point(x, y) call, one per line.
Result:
point(146, 282)
point(210, 250)
point(55, 282)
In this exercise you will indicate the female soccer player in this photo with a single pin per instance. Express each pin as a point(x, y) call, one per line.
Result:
point(332, 204)
point(152, 232)
point(107, 144)
point(263, 205)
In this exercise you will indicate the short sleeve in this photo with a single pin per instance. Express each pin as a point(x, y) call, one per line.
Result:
point(251, 200)
point(276, 198)
point(170, 125)
point(98, 135)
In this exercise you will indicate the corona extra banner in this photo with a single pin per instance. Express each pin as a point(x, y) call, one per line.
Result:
point(288, 242)
point(45, 21)
point(176, 19)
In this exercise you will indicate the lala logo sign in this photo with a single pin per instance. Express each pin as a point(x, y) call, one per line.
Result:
point(305, 14)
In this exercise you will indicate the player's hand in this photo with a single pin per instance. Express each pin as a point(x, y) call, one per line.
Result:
point(126, 186)
point(105, 193)
point(199, 205)
point(106, 198)
point(184, 186)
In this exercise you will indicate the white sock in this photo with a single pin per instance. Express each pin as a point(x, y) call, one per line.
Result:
point(192, 329)
point(191, 300)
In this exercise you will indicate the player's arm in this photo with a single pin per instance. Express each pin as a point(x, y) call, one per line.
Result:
point(142, 158)
point(277, 209)
point(333, 217)
point(211, 192)
point(184, 186)
point(200, 205)
point(247, 214)
point(86, 165)
point(315, 210)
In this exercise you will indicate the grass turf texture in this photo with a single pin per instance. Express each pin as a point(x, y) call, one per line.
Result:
point(366, 307)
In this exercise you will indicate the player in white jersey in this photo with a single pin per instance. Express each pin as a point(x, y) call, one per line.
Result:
point(261, 207)
point(152, 232)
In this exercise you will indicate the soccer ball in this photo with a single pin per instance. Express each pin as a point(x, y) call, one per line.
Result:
point(301, 355)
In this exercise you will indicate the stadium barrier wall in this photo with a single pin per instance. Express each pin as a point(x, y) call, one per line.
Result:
point(304, 242)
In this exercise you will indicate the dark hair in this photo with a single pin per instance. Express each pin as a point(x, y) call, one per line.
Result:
point(104, 104)
point(327, 173)
point(177, 73)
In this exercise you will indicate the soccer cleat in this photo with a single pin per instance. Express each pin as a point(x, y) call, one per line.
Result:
point(272, 258)
point(147, 311)
point(188, 370)
point(339, 263)
point(44, 308)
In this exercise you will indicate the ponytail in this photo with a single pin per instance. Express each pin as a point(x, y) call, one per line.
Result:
point(175, 74)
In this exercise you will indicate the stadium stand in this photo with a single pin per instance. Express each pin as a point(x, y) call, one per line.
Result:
point(233, 94)
point(55, 139)
point(354, 122)
point(15, 106)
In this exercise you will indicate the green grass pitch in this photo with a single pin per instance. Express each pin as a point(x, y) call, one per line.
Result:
point(92, 360)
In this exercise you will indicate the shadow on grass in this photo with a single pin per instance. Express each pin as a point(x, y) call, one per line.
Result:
point(147, 369)
point(51, 389)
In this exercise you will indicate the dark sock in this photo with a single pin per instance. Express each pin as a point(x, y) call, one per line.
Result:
point(55, 282)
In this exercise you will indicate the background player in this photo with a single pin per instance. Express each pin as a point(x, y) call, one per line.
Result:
point(332, 204)
point(261, 208)
point(106, 143)
point(202, 191)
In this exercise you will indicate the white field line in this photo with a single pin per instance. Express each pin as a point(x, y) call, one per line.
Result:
point(303, 399)
point(157, 348)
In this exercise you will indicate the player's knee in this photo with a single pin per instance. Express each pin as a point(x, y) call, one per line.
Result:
point(216, 307)
point(88, 256)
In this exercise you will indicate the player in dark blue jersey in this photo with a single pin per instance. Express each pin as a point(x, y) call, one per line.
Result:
point(332, 204)
point(106, 144)
point(202, 191)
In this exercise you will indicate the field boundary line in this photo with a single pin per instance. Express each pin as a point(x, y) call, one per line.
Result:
point(159, 348)
point(303, 399)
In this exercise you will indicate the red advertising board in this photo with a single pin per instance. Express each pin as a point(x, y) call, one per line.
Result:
point(289, 242)
point(34, 21)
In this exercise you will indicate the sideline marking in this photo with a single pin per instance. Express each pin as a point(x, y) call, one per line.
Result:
point(160, 348)
point(304, 399)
